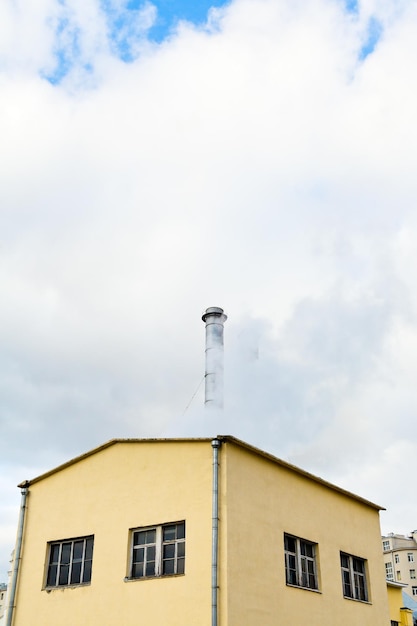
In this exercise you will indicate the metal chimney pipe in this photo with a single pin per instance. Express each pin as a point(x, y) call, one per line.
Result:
point(214, 318)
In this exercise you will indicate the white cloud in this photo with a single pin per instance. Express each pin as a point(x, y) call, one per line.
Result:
point(255, 164)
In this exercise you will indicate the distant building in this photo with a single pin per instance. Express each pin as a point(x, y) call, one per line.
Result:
point(400, 615)
point(400, 558)
point(3, 593)
point(195, 532)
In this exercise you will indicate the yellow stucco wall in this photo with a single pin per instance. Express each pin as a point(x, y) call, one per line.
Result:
point(133, 484)
point(261, 501)
point(395, 601)
point(396, 609)
point(123, 486)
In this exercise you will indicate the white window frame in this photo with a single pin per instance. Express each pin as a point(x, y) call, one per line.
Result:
point(397, 558)
point(301, 568)
point(61, 566)
point(389, 572)
point(353, 578)
point(386, 545)
point(410, 557)
point(156, 549)
point(414, 591)
point(412, 574)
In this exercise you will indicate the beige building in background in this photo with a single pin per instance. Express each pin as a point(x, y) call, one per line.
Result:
point(126, 535)
point(3, 594)
point(400, 558)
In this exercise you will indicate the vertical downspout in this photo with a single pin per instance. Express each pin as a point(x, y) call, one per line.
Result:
point(17, 555)
point(215, 533)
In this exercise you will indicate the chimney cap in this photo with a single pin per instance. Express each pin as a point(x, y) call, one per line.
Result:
point(216, 312)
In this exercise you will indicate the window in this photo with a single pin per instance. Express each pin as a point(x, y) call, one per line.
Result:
point(353, 577)
point(398, 575)
point(158, 551)
point(70, 562)
point(388, 571)
point(394, 623)
point(410, 557)
point(412, 573)
point(385, 545)
point(397, 558)
point(414, 591)
point(300, 562)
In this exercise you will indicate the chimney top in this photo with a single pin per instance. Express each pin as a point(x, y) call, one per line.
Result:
point(216, 312)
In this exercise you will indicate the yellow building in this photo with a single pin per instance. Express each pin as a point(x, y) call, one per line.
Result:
point(195, 532)
point(400, 615)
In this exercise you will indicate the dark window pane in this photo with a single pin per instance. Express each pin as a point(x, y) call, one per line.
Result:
point(51, 580)
point(78, 550)
point(290, 569)
point(150, 536)
point(181, 530)
point(307, 549)
point(87, 572)
point(150, 568)
point(76, 572)
point(137, 570)
point(66, 553)
point(138, 555)
point(347, 589)
point(344, 560)
point(169, 551)
point(181, 549)
point(150, 553)
point(139, 538)
point(180, 566)
point(168, 566)
point(169, 533)
point(54, 556)
point(360, 587)
point(290, 544)
point(63, 575)
point(89, 548)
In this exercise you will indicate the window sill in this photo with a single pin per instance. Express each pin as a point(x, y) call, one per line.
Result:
point(63, 587)
point(127, 579)
point(303, 588)
point(356, 600)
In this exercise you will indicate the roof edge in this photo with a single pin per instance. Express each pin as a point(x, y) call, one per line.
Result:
point(298, 470)
point(223, 438)
point(103, 446)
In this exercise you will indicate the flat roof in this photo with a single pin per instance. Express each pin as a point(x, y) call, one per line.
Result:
point(224, 439)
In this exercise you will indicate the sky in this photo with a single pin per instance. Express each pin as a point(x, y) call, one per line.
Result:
point(159, 158)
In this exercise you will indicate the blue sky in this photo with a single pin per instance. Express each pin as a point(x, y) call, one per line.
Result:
point(170, 11)
point(131, 24)
point(123, 31)
point(265, 165)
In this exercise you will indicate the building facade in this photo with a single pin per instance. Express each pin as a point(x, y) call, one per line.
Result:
point(183, 532)
point(400, 615)
point(400, 558)
point(3, 594)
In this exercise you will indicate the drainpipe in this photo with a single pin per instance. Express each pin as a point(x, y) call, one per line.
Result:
point(215, 533)
point(17, 555)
